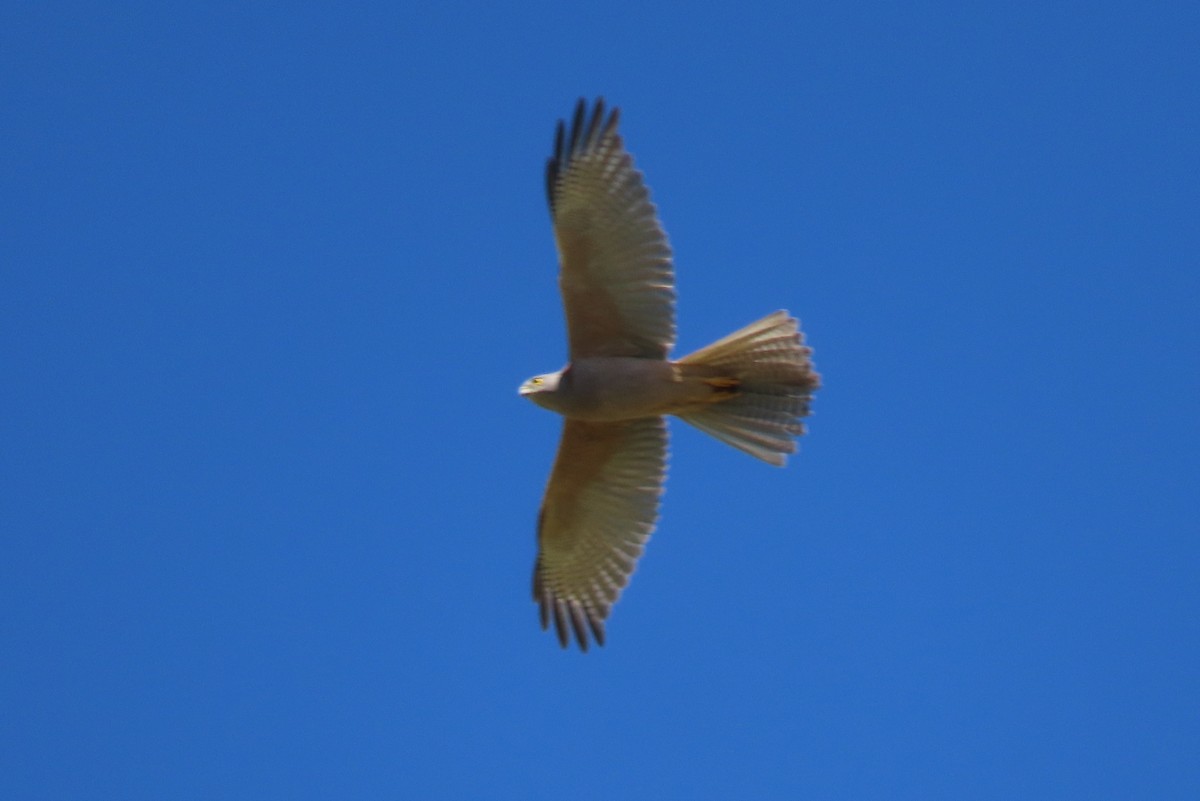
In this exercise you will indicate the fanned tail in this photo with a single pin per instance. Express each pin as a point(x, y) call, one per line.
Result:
point(764, 380)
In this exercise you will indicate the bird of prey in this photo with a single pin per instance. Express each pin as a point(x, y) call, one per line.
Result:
point(749, 389)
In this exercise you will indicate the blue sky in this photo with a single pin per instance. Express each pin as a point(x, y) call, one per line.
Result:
point(270, 277)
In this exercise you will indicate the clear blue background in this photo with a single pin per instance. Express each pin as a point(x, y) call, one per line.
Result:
point(271, 274)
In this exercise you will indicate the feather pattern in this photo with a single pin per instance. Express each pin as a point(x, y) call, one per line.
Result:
point(750, 389)
point(775, 381)
point(600, 507)
point(616, 274)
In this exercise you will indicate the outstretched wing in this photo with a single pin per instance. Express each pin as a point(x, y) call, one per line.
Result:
point(600, 507)
point(617, 282)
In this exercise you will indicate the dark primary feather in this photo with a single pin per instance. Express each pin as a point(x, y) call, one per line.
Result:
point(585, 133)
point(563, 610)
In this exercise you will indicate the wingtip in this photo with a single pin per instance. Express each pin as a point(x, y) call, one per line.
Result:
point(560, 625)
point(584, 132)
point(597, 627)
point(569, 618)
point(578, 626)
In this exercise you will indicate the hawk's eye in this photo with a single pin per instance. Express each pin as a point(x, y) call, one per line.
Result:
point(537, 382)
